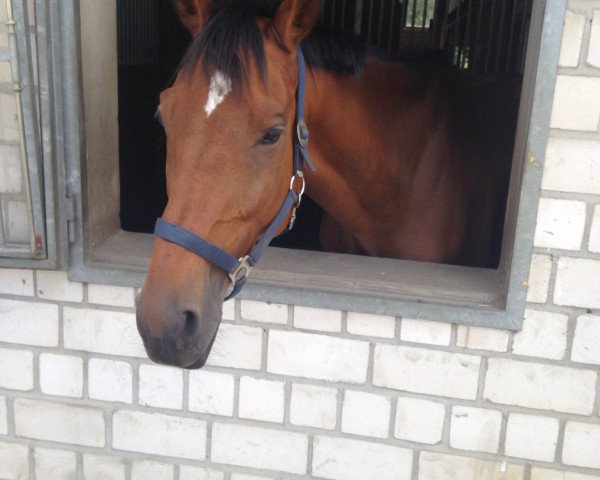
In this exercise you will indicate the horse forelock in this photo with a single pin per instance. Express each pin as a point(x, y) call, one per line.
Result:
point(232, 39)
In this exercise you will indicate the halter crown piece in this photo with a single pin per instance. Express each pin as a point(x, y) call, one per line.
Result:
point(239, 269)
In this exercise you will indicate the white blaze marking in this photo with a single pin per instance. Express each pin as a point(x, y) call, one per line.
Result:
point(220, 86)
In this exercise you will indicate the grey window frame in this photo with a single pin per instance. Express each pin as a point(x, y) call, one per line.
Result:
point(491, 298)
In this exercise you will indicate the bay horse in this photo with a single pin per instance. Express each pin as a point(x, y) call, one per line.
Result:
point(410, 163)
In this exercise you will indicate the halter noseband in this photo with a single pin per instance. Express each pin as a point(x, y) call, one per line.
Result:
point(239, 269)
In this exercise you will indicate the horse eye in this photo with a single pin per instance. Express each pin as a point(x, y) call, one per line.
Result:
point(272, 136)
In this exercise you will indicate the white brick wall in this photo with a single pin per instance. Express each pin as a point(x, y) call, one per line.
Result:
point(420, 421)
point(371, 325)
point(16, 282)
point(60, 423)
point(594, 48)
point(264, 312)
point(194, 473)
point(259, 448)
point(582, 445)
point(544, 335)
point(56, 286)
point(61, 375)
point(17, 369)
point(179, 437)
point(103, 467)
point(426, 371)
point(146, 470)
point(425, 331)
point(317, 356)
point(111, 295)
point(51, 464)
point(366, 414)
point(594, 244)
point(586, 344)
point(572, 39)
point(28, 323)
point(539, 278)
point(572, 166)
point(575, 283)
point(531, 437)
point(313, 406)
point(440, 466)
point(110, 380)
point(560, 224)
point(482, 338)
point(161, 387)
point(211, 392)
point(475, 429)
point(237, 346)
point(545, 387)
point(578, 105)
point(318, 319)
point(261, 399)
point(14, 462)
point(3, 416)
point(343, 459)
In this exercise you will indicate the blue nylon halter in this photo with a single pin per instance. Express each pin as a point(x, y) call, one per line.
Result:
point(239, 269)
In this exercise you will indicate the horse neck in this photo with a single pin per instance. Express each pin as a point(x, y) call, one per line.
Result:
point(353, 123)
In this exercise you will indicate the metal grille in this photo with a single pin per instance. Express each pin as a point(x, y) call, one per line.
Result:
point(137, 32)
point(483, 37)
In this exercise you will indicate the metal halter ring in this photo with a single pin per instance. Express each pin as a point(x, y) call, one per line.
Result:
point(242, 271)
point(298, 175)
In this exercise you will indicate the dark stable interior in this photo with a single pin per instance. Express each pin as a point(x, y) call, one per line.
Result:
point(478, 39)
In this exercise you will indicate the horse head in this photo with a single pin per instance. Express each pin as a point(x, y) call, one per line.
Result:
point(229, 119)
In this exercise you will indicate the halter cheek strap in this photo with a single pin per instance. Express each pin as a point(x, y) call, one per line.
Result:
point(239, 269)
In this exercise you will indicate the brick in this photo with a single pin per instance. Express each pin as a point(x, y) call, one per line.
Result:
point(426, 371)
point(439, 466)
point(320, 319)
point(586, 344)
point(572, 166)
point(55, 285)
point(313, 406)
point(366, 414)
point(228, 312)
point(28, 323)
point(16, 282)
point(103, 467)
point(259, 448)
point(61, 375)
point(581, 446)
point(342, 459)
point(211, 392)
point(110, 380)
point(544, 387)
point(475, 429)
point(479, 338)
point(371, 325)
point(576, 283)
point(571, 39)
point(560, 224)
point(111, 295)
point(594, 244)
point(146, 470)
point(264, 312)
point(195, 473)
point(137, 432)
point(261, 399)
point(55, 464)
point(317, 356)
point(539, 278)
point(237, 346)
point(544, 335)
point(56, 422)
point(576, 103)
point(17, 369)
point(3, 416)
point(98, 331)
point(531, 437)
point(425, 331)
point(161, 387)
point(14, 461)
point(546, 474)
point(419, 420)
point(243, 476)
point(594, 47)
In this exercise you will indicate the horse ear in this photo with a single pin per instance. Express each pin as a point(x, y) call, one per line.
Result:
point(193, 13)
point(295, 19)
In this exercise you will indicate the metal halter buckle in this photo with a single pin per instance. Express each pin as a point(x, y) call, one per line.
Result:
point(299, 175)
point(242, 271)
point(302, 133)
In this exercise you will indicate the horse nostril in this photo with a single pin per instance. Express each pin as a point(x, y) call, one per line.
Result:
point(191, 323)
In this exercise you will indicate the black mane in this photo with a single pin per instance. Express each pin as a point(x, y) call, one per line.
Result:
point(231, 39)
